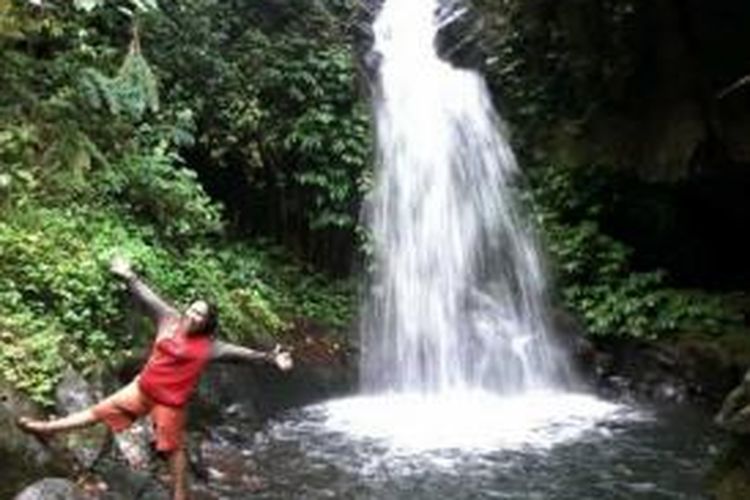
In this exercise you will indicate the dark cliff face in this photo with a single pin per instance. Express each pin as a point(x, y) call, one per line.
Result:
point(636, 84)
point(458, 39)
point(658, 92)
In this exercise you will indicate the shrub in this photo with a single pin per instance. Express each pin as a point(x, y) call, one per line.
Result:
point(593, 270)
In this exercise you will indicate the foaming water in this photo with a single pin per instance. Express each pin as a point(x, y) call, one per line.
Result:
point(470, 420)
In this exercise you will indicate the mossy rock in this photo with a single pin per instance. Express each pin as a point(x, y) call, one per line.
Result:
point(22, 458)
point(730, 478)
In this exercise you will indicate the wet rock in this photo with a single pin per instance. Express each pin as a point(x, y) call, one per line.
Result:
point(229, 467)
point(458, 39)
point(641, 372)
point(731, 474)
point(688, 369)
point(73, 394)
point(734, 415)
point(52, 489)
point(369, 60)
point(15, 402)
point(249, 393)
point(23, 458)
point(134, 444)
point(730, 477)
point(570, 335)
point(130, 467)
point(325, 367)
point(228, 391)
point(129, 483)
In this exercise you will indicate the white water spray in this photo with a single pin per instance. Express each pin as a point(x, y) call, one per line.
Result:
point(458, 297)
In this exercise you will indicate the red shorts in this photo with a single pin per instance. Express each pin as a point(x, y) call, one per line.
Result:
point(125, 406)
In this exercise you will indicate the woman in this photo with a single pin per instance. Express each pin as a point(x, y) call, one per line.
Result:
point(185, 343)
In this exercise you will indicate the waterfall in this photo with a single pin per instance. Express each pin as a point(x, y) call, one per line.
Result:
point(458, 294)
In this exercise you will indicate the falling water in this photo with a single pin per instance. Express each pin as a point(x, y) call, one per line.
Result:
point(458, 294)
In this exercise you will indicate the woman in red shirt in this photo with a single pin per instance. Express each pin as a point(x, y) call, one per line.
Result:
point(185, 343)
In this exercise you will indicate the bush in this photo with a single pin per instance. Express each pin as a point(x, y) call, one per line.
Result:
point(593, 270)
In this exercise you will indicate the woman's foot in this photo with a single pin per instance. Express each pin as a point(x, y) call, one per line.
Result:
point(39, 428)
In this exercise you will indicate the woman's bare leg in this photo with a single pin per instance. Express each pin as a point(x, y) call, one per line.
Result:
point(178, 467)
point(75, 420)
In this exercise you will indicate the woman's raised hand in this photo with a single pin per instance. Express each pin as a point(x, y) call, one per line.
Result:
point(282, 358)
point(121, 267)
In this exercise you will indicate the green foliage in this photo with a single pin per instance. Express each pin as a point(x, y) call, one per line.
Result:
point(274, 95)
point(92, 164)
point(154, 185)
point(60, 305)
point(593, 270)
point(32, 362)
point(132, 92)
point(328, 134)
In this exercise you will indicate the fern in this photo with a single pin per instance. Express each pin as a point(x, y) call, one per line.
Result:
point(132, 92)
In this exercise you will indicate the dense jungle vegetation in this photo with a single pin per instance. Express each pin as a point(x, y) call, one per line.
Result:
point(225, 147)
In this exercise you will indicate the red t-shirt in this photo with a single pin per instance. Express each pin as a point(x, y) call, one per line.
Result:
point(175, 364)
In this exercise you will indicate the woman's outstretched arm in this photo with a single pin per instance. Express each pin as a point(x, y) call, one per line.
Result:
point(157, 308)
point(226, 352)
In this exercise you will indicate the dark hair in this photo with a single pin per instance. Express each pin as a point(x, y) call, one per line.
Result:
point(212, 319)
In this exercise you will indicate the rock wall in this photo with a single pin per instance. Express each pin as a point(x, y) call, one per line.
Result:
point(635, 84)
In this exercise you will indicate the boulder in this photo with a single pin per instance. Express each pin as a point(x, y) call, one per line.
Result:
point(731, 475)
point(52, 489)
point(252, 392)
point(227, 466)
point(73, 394)
point(124, 481)
point(689, 368)
point(23, 458)
point(570, 335)
point(734, 414)
point(229, 391)
point(729, 478)
point(134, 444)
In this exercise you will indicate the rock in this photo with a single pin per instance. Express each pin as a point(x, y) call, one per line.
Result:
point(730, 477)
point(16, 403)
point(23, 458)
point(686, 369)
point(125, 467)
point(228, 467)
point(52, 489)
point(734, 415)
point(228, 391)
point(130, 483)
point(636, 369)
point(570, 335)
point(74, 394)
point(458, 40)
point(134, 444)
point(251, 392)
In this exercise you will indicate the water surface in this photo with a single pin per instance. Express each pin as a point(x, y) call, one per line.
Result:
point(606, 451)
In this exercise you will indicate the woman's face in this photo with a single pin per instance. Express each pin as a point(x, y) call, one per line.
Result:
point(196, 316)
